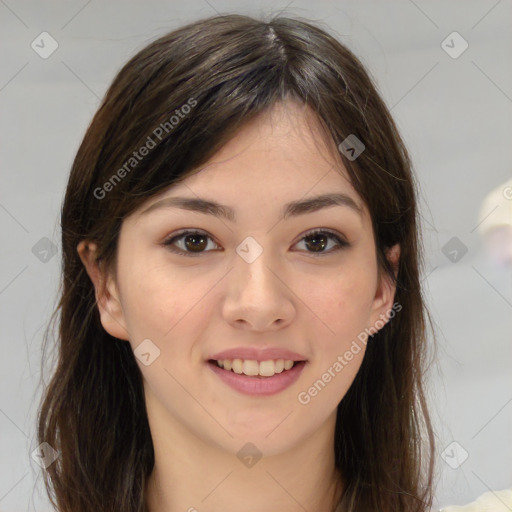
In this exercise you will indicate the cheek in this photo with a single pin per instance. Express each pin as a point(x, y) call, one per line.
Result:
point(157, 298)
point(342, 307)
point(339, 301)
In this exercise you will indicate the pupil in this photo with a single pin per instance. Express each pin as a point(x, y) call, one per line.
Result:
point(193, 246)
point(315, 239)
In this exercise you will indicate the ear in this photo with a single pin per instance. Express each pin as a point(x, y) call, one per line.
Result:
point(385, 293)
point(106, 291)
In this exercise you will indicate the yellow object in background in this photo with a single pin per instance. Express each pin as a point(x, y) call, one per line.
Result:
point(491, 501)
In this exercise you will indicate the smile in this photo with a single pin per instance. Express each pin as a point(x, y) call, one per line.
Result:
point(263, 378)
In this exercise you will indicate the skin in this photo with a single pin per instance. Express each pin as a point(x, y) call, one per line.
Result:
point(191, 307)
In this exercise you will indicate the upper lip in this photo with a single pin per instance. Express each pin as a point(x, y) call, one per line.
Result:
point(258, 354)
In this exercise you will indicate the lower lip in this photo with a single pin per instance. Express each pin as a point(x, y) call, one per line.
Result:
point(260, 386)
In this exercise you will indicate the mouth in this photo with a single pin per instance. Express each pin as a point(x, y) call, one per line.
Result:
point(257, 378)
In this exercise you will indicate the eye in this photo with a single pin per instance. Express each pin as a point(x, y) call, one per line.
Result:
point(194, 242)
point(318, 240)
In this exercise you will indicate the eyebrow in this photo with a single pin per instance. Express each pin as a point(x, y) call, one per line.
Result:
point(292, 209)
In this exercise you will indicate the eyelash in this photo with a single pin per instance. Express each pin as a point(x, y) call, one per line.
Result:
point(341, 243)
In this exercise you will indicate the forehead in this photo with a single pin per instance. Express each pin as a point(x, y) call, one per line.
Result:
point(280, 157)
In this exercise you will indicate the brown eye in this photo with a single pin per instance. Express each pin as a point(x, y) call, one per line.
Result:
point(195, 243)
point(191, 243)
point(316, 241)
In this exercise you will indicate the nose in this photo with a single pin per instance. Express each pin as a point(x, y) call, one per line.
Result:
point(258, 297)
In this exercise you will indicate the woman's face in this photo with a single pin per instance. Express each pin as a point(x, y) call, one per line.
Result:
point(250, 280)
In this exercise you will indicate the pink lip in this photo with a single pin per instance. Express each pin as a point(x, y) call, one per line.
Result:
point(256, 385)
point(257, 354)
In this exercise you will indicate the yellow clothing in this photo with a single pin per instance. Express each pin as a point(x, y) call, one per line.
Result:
point(491, 501)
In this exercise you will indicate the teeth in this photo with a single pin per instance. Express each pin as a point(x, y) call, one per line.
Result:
point(253, 368)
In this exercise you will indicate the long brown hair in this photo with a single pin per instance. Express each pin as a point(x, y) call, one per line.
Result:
point(228, 69)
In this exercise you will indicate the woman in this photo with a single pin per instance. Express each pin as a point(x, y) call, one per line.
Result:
point(242, 325)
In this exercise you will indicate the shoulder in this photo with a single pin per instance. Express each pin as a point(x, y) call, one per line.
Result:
point(491, 501)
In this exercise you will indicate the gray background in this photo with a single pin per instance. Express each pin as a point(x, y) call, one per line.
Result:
point(455, 116)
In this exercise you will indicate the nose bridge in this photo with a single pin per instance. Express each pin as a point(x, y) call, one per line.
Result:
point(257, 294)
point(254, 267)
